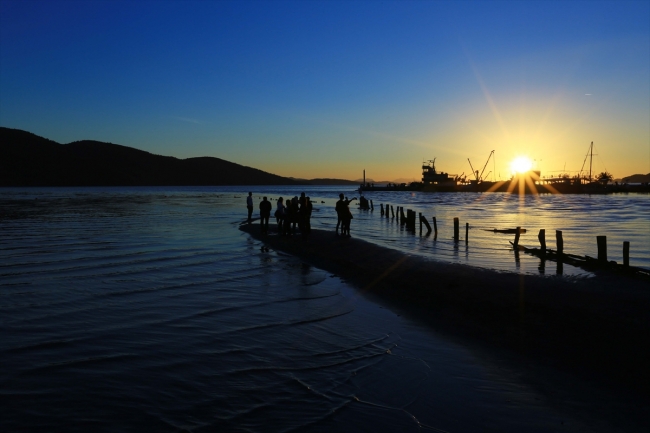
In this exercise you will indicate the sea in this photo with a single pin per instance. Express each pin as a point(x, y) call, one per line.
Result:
point(147, 309)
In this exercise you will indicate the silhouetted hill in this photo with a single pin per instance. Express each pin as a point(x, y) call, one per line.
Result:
point(324, 181)
point(29, 160)
point(637, 178)
point(328, 181)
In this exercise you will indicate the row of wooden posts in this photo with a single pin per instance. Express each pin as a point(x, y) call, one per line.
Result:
point(601, 242)
point(409, 220)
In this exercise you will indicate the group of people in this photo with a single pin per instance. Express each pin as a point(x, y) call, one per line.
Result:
point(297, 212)
point(294, 212)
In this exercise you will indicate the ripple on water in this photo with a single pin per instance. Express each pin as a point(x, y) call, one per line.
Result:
point(142, 309)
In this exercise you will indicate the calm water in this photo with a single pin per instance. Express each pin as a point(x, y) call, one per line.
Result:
point(145, 309)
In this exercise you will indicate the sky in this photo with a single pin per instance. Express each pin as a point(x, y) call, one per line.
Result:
point(313, 89)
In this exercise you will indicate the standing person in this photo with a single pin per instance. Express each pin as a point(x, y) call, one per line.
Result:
point(249, 205)
point(339, 211)
point(307, 217)
point(279, 214)
point(302, 212)
point(265, 214)
point(288, 214)
point(295, 216)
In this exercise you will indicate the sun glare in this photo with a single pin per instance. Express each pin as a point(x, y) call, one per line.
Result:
point(521, 164)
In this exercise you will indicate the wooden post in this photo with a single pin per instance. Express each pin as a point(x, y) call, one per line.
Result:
point(392, 211)
point(420, 218)
point(559, 241)
point(426, 223)
point(456, 229)
point(371, 206)
point(626, 254)
point(602, 248)
point(402, 217)
point(381, 207)
point(435, 226)
point(517, 233)
point(466, 232)
point(542, 240)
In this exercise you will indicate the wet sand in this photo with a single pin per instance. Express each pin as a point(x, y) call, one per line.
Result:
point(596, 330)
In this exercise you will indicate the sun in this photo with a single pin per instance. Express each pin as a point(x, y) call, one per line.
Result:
point(521, 164)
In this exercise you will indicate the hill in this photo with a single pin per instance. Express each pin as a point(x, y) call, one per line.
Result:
point(637, 178)
point(385, 182)
point(324, 181)
point(29, 160)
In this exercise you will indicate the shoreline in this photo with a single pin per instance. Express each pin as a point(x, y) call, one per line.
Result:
point(597, 329)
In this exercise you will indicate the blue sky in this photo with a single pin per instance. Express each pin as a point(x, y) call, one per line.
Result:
point(326, 89)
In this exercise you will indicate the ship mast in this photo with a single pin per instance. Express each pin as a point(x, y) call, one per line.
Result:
point(591, 157)
point(590, 154)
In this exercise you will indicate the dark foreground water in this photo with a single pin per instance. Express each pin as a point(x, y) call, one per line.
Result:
point(127, 310)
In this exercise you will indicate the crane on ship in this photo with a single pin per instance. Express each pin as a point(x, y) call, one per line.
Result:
point(479, 178)
point(475, 173)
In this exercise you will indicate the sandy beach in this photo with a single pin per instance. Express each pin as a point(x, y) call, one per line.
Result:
point(596, 330)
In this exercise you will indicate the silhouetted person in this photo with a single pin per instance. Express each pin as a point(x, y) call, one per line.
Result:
point(339, 211)
point(302, 211)
point(279, 214)
point(307, 216)
point(290, 211)
point(295, 215)
point(249, 205)
point(265, 214)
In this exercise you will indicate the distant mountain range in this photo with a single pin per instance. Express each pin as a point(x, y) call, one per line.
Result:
point(637, 178)
point(324, 181)
point(384, 182)
point(29, 160)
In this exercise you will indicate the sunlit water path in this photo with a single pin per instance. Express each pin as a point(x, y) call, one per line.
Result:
point(145, 309)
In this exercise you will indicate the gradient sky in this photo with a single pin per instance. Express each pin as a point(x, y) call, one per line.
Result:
point(326, 89)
